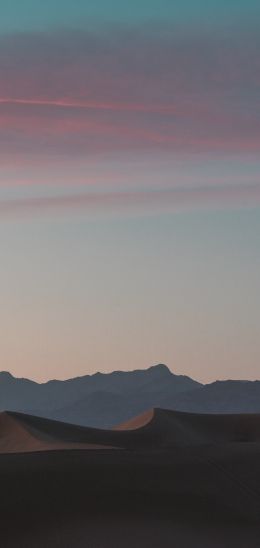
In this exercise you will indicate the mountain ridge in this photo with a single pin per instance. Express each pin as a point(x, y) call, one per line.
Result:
point(103, 400)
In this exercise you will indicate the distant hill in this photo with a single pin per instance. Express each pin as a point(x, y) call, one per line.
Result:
point(219, 397)
point(104, 400)
point(100, 400)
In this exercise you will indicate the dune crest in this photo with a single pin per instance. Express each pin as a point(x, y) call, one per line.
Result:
point(137, 422)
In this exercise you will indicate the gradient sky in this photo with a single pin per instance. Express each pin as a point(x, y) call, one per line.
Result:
point(130, 187)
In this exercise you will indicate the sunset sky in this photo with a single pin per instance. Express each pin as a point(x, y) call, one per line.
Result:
point(130, 187)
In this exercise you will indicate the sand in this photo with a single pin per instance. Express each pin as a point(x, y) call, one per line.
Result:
point(18, 436)
point(164, 479)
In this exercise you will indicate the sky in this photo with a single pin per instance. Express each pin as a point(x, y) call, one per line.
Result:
point(130, 187)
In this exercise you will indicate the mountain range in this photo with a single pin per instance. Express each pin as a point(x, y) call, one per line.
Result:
point(105, 400)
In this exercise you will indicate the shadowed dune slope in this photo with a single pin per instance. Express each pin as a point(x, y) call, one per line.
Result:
point(181, 428)
point(155, 429)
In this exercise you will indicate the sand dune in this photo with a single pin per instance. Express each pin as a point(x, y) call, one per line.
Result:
point(154, 429)
point(164, 478)
point(159, 428)
point(17, 435)
point(178, 428)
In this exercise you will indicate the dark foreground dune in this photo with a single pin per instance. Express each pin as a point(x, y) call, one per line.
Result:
point(164, 479)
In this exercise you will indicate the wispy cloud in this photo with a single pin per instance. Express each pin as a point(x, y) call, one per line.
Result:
point(76, 93)
point(219, 196)
point(89, 105)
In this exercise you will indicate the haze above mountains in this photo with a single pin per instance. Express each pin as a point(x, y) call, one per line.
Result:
point(105, 400)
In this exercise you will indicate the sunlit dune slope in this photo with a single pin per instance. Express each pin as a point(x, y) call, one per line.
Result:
point(20, 435)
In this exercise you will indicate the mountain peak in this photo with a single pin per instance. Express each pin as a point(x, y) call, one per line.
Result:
point(6, 375)
point(160, 369)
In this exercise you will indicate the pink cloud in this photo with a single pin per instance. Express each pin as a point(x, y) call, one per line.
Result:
point(79, 93)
